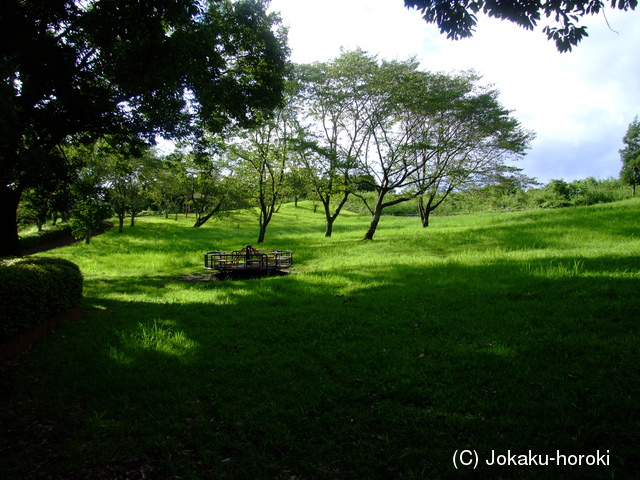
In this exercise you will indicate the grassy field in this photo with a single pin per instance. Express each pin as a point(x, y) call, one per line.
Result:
point(496, 333)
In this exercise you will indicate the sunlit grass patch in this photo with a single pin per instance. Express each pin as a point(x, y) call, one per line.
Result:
point(162, 337)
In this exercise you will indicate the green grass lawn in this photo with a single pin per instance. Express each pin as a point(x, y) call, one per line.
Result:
point(492, 333)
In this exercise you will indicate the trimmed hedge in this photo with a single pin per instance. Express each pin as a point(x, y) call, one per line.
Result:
point(52, 234)
point(35, 289)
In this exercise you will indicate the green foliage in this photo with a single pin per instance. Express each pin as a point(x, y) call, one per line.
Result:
point(501, 197)
point(557, 193)
point(204, 181)
point(82, 69)
point(87, 217)
point(33, 208)
point(458, 19)
point(34, 289)
point(590, 191)
point(402, 132)
point(166, 190)
point(630, 156)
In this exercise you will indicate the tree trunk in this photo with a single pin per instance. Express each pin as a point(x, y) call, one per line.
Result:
point(375, 219)
point(376, 213)
point(425, 219)
point(9, 239)
point(329, 228)
point(266, 213)
point(425, 210)
point(201, 220)
point(120, 223)
point(326, 203)
point(262, 233)
point(263, 222)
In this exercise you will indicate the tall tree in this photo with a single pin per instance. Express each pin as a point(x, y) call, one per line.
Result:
point(90, 205)
point(333, 99)
point(137, 69)
point(458, 18)
point(473, 137)
point(166, 189)
point(630, 156)
point(209, 186)
point(128, 179)
point(395, 154)
point(264, 155)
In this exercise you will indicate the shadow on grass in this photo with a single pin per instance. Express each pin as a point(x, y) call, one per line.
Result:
point(378, 373)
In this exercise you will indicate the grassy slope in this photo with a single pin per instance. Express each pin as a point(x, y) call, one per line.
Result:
point(377, 360)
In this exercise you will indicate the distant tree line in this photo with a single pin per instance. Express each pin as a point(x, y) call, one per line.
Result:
point(498, 197)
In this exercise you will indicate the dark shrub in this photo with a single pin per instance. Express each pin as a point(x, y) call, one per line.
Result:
point(34, 289)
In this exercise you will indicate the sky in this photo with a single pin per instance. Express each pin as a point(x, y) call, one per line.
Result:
point(579, 104)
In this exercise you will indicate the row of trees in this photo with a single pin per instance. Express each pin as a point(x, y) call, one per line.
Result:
point(73, 71)
point(403, 132)
point(350, 125)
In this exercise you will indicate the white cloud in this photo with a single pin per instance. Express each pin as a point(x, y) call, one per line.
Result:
point(579, 103)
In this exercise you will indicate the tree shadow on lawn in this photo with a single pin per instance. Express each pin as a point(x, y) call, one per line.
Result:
point(297, 376)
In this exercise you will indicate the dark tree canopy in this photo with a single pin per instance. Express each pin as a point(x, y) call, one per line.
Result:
point(130, 69)
point(457, 18)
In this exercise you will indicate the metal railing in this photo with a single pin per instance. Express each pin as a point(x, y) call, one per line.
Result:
point(248, 259)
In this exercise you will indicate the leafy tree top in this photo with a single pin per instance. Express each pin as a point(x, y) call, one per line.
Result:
point(135, 69)
point(630, 154)
point(457, 18)
point(129, 69)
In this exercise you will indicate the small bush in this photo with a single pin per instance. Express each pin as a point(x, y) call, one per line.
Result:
point(34, 289)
